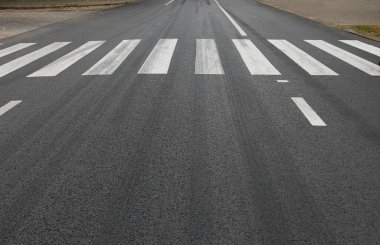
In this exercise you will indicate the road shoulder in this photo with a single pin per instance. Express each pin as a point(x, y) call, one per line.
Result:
point(359, 17)
point(17, 18)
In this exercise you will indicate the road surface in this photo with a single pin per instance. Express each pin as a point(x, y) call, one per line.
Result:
point(189, 121)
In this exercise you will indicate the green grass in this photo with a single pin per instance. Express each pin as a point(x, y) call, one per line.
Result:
point(57, 3)
point(372, 31)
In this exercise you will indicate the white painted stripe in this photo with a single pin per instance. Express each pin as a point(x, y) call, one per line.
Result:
point(363, 46)
point(308, 112)
point(14, 48)
point(9, 106)
point(207, 60)
point(356, 61)
point(282, 81)
point(238, 28)
point(53, 69)
point(305, 61)
point(169, 2)
point(158, 61)
point(109, 63)
point(29, 58)
point(255, 61)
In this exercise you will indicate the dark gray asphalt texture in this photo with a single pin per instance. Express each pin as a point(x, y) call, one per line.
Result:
point(181, 158)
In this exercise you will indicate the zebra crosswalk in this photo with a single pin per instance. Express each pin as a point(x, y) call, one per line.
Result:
point(207, 61)
point(354, 60)
point(305, 61)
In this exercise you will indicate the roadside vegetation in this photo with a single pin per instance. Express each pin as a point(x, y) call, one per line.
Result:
point(31, 4)
point(371, 31)
point(357, 16)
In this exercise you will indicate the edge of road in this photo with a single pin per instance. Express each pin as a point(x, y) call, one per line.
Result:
point(337, 26)
point(11, 19)
point(67, 6)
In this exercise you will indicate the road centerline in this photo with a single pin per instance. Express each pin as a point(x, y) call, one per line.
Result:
point(169, 2)
point(9, 106)
point(233, 22)
point(308, 112)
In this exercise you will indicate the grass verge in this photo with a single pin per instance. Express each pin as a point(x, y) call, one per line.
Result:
point(60, 4)
point(370, 31)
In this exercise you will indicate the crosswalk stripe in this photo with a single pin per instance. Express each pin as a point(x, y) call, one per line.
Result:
point(363, 46)
point(207, 60)
point(14, 48)
point(53, 69)
point(356, 61)
point(109, 63)
point(158, 61)
point(29, 58)
point(9, 106)
point(255, 61)
point(304, 60)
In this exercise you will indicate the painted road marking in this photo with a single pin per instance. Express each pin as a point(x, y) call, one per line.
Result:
point(238, 28)
point(363, 46)
point(255, 61)
point(207, 60)
point(305, 61)
point(158, 61)
point(9, 106)
point(53, 69)
point(169, 2)
point(360, 63)
point(282, 81)
point(308, 112)
point(109, 63)
point(29, 58)
point(14, 48)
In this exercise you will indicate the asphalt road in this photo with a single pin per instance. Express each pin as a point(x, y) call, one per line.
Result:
point(171, 123)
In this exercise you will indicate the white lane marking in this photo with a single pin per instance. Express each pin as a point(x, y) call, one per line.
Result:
point(29, 58)
point(56, 67)
point(360, 63)
point(169, 2)
point(308, 112)
point(282, 81)
point(305, 61)
point(207, 60)
point(238, 28)
point(14, 48)
point(363, 46)
point(109, 63)
point(158, 61)
point(255, 61)
point(9, 106)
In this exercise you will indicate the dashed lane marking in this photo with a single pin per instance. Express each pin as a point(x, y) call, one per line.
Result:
point(9, 106)
point(308, 112)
